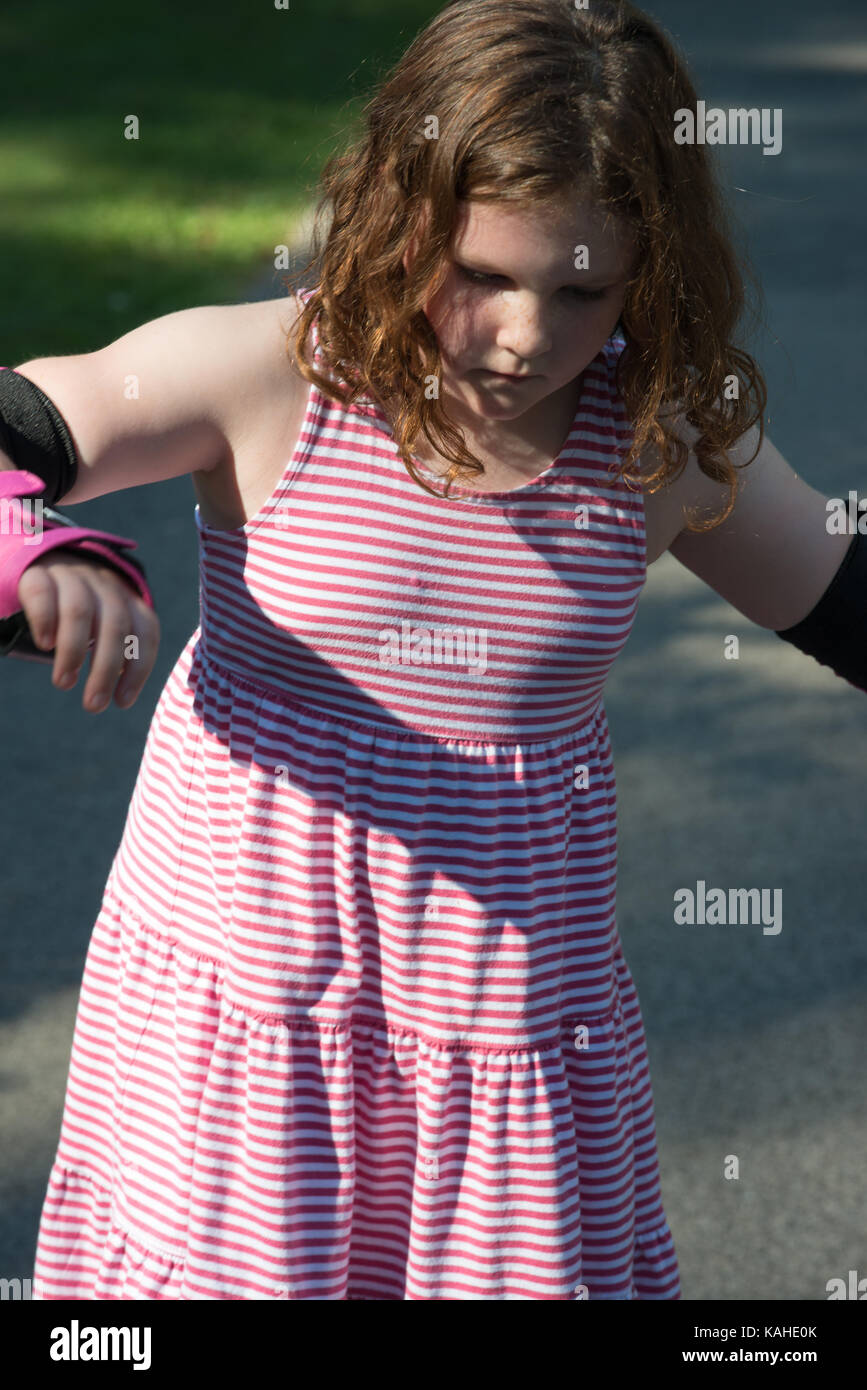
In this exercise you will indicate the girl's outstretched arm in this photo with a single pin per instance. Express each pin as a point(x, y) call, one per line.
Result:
point(147, 407)
point(775, 556)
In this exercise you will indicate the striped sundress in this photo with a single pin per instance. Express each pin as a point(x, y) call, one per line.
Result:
point(355, 1019)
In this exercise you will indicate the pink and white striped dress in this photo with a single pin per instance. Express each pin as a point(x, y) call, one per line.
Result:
point(355, 1019)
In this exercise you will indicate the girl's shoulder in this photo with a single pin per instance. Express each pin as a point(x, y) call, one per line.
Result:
point(262, 415)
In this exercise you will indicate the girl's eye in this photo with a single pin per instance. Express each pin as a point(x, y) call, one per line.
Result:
point(476, 277)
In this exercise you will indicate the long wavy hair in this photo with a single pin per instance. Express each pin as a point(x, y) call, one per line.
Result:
point(535, 99)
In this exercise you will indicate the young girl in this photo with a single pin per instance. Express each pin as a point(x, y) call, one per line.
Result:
point(356, 1020)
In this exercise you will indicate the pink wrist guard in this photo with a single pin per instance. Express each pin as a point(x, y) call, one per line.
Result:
point(29, 531)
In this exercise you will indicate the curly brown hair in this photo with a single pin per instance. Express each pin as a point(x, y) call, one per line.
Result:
point(535, 99)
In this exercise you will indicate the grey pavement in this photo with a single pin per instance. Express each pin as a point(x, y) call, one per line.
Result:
point(742, 773)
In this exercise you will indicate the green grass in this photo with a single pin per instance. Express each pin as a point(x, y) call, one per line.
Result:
point(239, 105)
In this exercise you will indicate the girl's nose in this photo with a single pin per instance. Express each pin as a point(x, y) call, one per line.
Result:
point(524, 329)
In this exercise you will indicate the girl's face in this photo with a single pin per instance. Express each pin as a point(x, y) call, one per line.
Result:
point(513, 301)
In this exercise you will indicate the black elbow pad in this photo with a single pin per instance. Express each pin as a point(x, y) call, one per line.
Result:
point(835, 631)
point(35, 435)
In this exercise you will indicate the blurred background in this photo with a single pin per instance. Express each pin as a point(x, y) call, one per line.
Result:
point(744, 774)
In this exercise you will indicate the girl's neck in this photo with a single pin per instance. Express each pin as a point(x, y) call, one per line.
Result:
point(521, 446)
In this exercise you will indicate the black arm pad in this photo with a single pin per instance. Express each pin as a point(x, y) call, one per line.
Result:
point(835, 631)
point(35, 436)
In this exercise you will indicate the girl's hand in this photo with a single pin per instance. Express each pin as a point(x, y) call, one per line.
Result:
point(75, 602)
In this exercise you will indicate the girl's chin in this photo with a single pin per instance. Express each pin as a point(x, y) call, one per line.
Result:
point(488, 394)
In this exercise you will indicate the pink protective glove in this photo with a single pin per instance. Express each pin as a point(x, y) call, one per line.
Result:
point(26, 533)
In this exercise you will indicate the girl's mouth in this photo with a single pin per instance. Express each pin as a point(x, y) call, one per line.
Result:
point(507, 376)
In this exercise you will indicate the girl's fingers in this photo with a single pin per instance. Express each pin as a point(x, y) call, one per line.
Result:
point(111, 627)
point(77, 610)
point(137, 667)
point(76, 604)
point(37, 594)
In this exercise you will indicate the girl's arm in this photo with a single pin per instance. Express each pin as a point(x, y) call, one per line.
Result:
point(146, 407)
point(774, 558)
point(161, 401)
